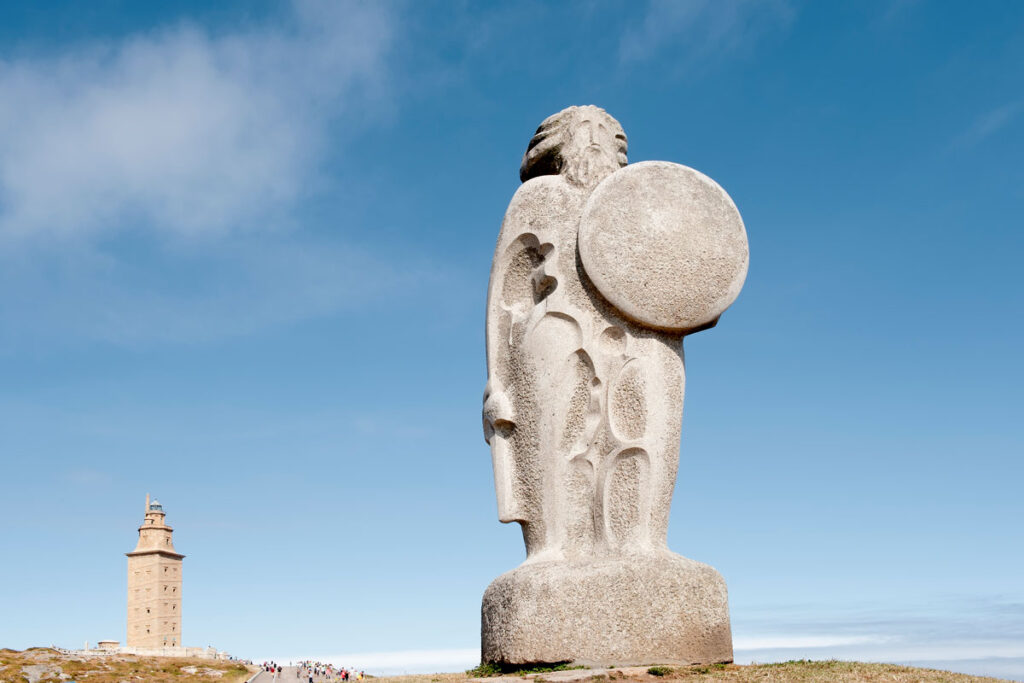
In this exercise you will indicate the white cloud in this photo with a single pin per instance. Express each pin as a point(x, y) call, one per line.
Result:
point(135, 172)
point(179, 129)
point(976, 635)
point(887, 648)
point(773, 642)
point(701, 28)
point(988, 124)
point(975, 656)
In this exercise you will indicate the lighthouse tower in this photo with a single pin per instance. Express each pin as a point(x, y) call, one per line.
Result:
point(154, 584)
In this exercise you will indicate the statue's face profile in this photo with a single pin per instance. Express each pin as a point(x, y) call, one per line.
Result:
point(498, 425)
point(584, 144)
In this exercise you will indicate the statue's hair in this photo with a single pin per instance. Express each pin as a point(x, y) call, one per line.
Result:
point(551, 137)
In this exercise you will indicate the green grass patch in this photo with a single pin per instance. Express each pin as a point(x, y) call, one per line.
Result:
point(489, 669)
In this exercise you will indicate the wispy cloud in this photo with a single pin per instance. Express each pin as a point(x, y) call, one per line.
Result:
point(179, 129)
point(988, 124)
point(879, 648)
point(702, 28)
point(218, 290)
point(967, 635)
point(135, 172)
point(895, 12)
point(782, 642)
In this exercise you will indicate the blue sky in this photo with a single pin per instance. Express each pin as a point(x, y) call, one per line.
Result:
point(243, 261)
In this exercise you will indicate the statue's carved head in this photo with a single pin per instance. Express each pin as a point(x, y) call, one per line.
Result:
point(584, 144)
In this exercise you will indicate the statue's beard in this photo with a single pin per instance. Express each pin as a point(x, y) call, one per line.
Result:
point(589, 166)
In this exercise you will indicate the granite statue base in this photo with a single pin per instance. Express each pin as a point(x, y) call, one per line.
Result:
point(638, 609)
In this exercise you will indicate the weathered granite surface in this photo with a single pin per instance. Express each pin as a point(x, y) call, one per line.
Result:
point(660, 608)
point(600, 271)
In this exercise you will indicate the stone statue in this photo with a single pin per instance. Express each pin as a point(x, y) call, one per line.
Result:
point(600, 271)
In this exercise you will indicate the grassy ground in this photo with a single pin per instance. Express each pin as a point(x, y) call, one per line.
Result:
point(795, 672)
point(43, 665)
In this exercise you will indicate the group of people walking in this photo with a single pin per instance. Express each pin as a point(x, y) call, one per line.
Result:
point(325, 672)
point(316, 672)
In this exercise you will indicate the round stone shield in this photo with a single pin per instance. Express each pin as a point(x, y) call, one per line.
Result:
point(664, 244)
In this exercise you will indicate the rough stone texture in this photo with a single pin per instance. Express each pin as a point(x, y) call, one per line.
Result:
point(665, 245)
point(659, 608)
point(583, 405)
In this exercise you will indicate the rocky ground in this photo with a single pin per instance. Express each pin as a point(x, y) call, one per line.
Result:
point(44, 665)
point(802, 672)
